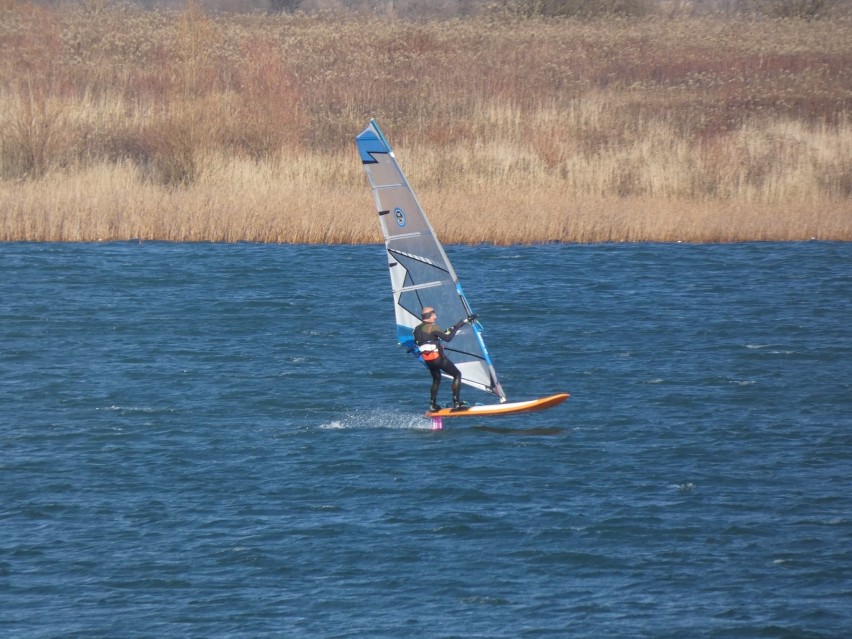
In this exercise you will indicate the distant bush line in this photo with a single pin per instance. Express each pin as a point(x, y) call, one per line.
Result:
point(118, 122)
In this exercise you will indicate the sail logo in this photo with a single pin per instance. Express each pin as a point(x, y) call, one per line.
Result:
point(399, 216)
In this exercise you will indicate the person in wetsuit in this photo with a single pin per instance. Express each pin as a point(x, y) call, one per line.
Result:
point(428, 337)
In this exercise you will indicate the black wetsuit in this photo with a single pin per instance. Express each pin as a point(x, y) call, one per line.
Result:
point(429, 333)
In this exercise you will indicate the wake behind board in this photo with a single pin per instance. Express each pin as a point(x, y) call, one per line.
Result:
point(508, 408)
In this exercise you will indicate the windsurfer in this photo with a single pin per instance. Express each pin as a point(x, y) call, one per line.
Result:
point(428, 337)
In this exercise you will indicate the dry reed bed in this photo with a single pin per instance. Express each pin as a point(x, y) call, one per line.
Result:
point(122, 123)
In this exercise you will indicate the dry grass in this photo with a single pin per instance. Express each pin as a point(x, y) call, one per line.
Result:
point(119, 123)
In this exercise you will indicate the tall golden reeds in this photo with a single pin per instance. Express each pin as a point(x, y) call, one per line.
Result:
point(121, 123)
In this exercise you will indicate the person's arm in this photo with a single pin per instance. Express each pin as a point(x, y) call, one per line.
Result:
point(450, 333)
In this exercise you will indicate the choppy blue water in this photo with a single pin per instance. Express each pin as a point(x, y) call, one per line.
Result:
point(225, 441)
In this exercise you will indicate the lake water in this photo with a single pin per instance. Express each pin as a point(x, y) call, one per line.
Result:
point(225, 441)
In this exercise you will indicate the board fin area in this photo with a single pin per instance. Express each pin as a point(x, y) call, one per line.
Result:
point(509, 408)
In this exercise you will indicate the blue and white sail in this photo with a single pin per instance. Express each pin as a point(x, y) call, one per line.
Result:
point(420, 272)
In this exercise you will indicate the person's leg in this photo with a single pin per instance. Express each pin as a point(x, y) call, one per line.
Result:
point(451, 369)
point(436, 384)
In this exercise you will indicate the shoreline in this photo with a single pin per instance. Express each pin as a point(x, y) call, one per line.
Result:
point(349, 218)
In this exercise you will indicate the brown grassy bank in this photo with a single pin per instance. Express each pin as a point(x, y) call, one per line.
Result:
point(120, 123)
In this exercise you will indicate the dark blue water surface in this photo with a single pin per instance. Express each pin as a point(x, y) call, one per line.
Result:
point(225, 441)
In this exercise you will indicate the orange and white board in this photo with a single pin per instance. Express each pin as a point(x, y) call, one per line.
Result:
point(509, 408)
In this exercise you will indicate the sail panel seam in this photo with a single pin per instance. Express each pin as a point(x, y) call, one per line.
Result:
point(417, 287)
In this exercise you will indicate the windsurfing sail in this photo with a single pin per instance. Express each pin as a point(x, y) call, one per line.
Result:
point(420, 272)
